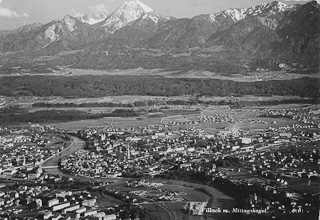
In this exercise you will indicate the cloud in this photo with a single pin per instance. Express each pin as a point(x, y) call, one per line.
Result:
point(94, 9)
point(98, 9)
point(77, 14)
point(6, 12)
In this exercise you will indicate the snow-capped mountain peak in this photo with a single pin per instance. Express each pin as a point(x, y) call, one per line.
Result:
point(237, 14)
point(135, 3)
point(128, 12)
point(133, 7)
point(272, 7)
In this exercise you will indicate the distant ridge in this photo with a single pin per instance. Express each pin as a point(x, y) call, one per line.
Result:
point(271, 35)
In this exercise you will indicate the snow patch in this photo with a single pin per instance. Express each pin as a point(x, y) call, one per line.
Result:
point(51, 34)
point(263, 9)
point(153, 17)
point(70, 23)
point(129, 12)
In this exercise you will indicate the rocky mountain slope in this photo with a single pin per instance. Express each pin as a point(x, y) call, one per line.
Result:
point(272, 32)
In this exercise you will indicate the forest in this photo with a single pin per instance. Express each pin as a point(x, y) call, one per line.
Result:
point(100, 86)
point(15, 115)
point(232, 104)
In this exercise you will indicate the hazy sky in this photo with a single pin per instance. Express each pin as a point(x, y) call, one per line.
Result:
point(15, 13)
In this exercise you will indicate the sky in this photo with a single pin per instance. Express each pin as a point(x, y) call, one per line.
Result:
point(16, 13)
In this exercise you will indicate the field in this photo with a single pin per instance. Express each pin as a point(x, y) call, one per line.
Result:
point(182, 116)
point(133, 98)
point(168, 210)
point(116, 122)
point(248, 77)
point(104, 200)
point(158, 212)
point(303, 184)
point(216, 193)
point(192, 194)
point(130, 72)
point(117, 99)
point(249, 98)
point(243, 119)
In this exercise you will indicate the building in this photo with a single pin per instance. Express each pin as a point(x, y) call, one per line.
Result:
point(63, 194)
point(88, 213)
point(81, 210)
point(98, 216)
point(32, 176)
point(60, 206)
point(53, 202)
point(246, 140)
point(110, 217)
point(46, 214)
point(2, 202)
point(247, 148)
point(56, 216)
point(89, 202)
point(70, 209)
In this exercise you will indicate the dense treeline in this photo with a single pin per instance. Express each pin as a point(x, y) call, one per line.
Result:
point(233, 104)
point(98, 86)
point(132, 60)
point(12, 115)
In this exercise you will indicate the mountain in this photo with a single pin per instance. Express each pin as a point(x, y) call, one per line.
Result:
point(64, 34)
point(273, 31)
point(233, 37)
point(135, 36)
point(186, 33)
point(6, 32)
point(128, 13)
point(300, 35)
point(131, 24)
point(25, 28)
point(29, 27)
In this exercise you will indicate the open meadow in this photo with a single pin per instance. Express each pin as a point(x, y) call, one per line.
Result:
point(248, 77)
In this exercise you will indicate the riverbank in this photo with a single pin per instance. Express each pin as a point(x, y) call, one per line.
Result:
point(219, 198)
point(49, 158)
point(76, 144)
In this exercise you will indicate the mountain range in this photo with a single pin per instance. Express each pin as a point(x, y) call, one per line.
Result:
point(272, 36)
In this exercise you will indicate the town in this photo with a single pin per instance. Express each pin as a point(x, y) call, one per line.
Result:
point(274, 169)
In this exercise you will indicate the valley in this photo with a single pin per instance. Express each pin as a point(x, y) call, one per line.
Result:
point(131, 114)
point(263, 75)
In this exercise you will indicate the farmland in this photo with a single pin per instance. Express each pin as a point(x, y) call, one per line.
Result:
point(178, 115)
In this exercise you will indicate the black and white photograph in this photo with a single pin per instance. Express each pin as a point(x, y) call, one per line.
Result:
point(159, 110)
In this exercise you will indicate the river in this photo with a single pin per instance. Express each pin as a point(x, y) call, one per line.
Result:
point(220, 199)
point(77, 144)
